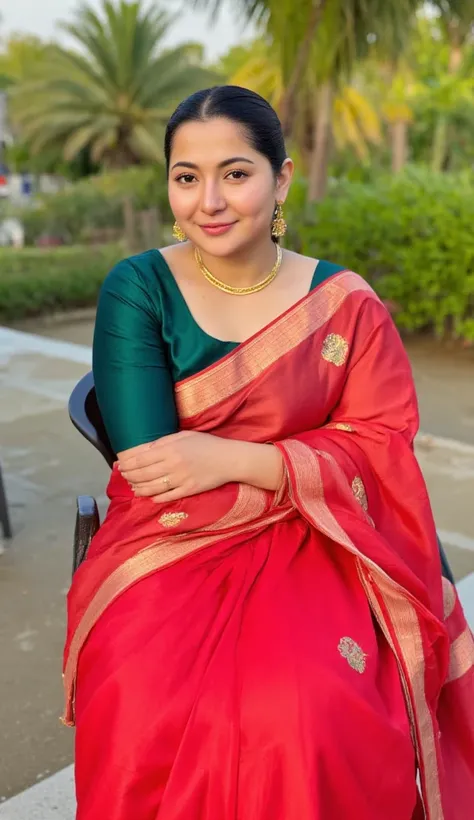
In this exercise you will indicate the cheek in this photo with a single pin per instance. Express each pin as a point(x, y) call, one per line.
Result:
point(253, 199)
point(182, 202)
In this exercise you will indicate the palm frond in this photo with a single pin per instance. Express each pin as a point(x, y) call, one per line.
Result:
point(114, 89)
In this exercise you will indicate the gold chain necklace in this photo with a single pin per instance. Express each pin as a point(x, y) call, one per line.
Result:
point(239, 291)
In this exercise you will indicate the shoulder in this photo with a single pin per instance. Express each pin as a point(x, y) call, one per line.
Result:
point(344, 286)
point(137, 271)
point(320, 268)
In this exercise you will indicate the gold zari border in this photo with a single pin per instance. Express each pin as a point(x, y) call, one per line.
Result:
point(308, 495)
point(449, 598)
point(248, 361)
point(461, 655)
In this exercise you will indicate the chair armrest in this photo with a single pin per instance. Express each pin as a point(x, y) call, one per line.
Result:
point(87, 524)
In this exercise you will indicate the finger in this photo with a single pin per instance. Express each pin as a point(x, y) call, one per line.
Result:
point(143, 459)
point(151, 488)
point(140, 475)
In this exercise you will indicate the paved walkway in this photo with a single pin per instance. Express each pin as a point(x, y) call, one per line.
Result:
point(46, 465)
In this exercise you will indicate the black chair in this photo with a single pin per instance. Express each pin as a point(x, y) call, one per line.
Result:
point(85, 415)
point(4, 514)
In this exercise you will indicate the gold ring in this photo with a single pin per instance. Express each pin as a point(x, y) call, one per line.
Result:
point(166, 480)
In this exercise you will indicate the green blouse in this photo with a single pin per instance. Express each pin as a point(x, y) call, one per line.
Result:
point(146, 340)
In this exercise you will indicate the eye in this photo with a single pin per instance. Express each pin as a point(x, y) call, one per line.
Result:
point(236, 175)
point(185, 179)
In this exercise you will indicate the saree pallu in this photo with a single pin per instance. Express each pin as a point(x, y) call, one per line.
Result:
point(279, 656)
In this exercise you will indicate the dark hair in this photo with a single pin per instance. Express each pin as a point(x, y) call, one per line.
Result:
point(242, 106)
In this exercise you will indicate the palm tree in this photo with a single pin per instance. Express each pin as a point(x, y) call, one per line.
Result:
point(255, 66)
point(21, 55)
point(318, 44)
point(456, 19)
point(346, 37)
point(114, 94)
point(287, 22)
point(354, 121)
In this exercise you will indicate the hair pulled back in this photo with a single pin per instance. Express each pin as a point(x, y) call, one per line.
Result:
point(242, 106)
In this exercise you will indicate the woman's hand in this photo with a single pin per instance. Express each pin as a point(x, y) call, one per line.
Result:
point(188, 463)
point(177, 466)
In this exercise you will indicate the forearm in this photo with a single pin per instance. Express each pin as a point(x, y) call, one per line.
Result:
point(260, 465)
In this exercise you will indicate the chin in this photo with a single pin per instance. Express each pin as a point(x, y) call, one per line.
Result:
point(227, 245)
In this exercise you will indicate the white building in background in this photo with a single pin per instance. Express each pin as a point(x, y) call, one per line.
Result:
point(17, 189)
point(12, 233)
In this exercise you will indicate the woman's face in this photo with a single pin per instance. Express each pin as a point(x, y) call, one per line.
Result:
point(222, 191)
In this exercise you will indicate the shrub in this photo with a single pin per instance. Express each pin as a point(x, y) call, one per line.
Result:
point(410, 236)
point(35, 281)
point(95, 203)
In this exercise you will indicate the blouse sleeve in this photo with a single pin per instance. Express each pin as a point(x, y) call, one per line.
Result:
point(132, 378)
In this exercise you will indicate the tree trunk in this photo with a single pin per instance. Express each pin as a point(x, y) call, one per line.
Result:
point(440, 143)
point(287, 103)
point(455, 59)
point(129, 223)
point(440, 137)
point(319, 164)
point(399, 145)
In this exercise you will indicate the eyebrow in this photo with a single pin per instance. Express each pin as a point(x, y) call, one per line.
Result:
point(222, 164)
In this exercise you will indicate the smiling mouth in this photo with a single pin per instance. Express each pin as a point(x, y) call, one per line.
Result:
point(217, 229)
point(216, 225)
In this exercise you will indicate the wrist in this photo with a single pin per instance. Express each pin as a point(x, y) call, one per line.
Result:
point(260, 465)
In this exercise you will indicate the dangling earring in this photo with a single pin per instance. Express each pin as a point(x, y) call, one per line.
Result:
point(178, 233)
point(279, 225)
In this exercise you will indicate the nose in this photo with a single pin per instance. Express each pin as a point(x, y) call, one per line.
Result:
point(213, 200)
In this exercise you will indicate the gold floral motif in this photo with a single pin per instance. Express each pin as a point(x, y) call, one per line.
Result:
point(359, 491)
point(172, 519)
point(354, 655)
point(335, 349)
point(340, 426)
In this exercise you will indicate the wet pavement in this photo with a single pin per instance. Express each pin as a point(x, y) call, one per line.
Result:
point(47, 464)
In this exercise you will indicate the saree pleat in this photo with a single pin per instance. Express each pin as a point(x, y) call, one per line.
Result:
point(228, 671)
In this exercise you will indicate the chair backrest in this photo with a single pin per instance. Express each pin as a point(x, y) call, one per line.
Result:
point(86, 417)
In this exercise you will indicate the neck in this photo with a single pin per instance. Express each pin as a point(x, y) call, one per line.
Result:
point(243, 269)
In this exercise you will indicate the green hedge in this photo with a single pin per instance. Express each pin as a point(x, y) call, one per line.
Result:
point(410, 236)
point(95, 203)
point(35, 281)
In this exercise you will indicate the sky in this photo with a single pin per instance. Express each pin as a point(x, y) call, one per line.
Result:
point(39, 17)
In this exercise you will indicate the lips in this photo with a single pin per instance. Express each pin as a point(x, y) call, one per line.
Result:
point(216, 229)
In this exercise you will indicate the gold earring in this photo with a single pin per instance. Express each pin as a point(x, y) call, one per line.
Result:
point(178, 233)
point(279, 225)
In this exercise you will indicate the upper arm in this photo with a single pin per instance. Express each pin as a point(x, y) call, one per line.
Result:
point(132, 379)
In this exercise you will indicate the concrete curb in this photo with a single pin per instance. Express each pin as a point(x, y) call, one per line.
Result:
point(52, 799)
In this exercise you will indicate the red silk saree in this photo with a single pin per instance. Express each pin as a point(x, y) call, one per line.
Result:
point(279, 656)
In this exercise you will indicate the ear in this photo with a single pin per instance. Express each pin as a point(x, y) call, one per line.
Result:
point(284, 180)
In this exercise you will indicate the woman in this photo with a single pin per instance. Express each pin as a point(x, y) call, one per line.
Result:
point(258, 631)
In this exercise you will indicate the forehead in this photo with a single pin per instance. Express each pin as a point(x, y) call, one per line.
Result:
point(211, 141)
